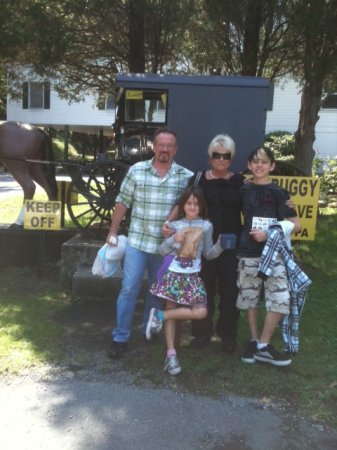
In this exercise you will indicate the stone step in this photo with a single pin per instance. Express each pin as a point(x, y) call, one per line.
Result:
point(78, 255)
point(86, 285)
point(79, 251)
point(20, 247)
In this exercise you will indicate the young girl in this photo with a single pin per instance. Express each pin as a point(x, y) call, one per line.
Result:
point(181, 286)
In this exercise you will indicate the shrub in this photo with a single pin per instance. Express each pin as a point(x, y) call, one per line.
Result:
point(329, 178)
point(286, 167)
point(282, 143)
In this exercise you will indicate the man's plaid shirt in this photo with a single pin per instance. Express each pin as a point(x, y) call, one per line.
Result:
point(151, 199)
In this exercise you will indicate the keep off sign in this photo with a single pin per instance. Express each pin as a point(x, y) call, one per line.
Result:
point(41, 215)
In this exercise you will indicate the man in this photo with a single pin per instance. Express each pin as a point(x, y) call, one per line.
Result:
point(150, 188)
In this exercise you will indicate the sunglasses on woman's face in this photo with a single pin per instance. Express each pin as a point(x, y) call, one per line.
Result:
point(225, 156)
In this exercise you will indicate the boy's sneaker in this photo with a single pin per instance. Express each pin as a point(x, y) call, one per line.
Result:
point(172, 365)
point(269, 355)
point(154, 325)
point(248, 354)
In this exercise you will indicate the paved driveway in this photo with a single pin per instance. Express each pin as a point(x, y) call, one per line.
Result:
point(8, 186)
point(69, 413)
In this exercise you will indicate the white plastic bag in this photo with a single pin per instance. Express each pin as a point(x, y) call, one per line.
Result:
point(104, 267)
point(117, 252)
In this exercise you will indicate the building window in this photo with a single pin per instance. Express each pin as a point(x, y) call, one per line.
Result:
point(36, 95)
point(105, 102)
point(110, 102)
point(329, 101)
point(145, 106)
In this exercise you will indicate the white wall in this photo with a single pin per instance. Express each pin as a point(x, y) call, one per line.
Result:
point(285, 116)
point(326, 133)
point(286, 107)
point(84, 113)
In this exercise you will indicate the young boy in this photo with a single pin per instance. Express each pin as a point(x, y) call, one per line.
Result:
point(263, 203)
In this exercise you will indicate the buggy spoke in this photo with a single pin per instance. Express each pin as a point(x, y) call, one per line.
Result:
point(96, 186)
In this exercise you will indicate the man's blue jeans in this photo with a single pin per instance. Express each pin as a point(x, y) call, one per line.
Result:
point(135, 264)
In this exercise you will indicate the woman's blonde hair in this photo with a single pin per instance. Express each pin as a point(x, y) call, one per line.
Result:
point(224, 141)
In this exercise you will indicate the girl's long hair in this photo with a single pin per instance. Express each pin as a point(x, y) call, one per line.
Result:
point(199, 195)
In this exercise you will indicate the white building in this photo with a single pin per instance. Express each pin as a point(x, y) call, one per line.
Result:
point(285, 115)
point(41, 105)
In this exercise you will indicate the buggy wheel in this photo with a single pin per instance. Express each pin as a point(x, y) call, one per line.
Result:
point(91, 195)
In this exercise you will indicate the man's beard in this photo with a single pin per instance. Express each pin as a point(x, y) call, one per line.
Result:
point(164, 157)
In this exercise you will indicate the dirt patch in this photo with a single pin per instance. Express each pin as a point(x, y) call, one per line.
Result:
point(87, 339)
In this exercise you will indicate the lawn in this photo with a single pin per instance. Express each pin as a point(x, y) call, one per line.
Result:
point(310, 383)
point(10, 208)
point(36, 314)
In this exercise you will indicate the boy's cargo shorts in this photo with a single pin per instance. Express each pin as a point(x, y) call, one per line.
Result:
point(276, 287)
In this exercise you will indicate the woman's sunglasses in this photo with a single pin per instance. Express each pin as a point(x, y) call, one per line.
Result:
point(225, 156)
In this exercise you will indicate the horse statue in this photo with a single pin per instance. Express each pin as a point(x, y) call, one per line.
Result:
point(25, 151)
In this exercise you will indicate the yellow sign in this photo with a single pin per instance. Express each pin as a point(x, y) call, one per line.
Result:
point(304, 192)
point(133, 95)
point(42, 215)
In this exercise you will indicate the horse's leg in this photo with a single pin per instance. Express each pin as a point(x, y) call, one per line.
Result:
point(20, 172)
point(40, 175)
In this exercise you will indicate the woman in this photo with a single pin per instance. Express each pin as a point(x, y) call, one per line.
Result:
point(221, 188)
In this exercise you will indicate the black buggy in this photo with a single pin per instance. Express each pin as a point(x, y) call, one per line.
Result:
point(195, 107)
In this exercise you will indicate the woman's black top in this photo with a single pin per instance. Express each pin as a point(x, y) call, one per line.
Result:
point(223, 201)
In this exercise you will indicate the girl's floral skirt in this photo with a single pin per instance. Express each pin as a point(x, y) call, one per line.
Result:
point(182, 288)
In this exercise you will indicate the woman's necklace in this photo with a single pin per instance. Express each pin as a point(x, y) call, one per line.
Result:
point(228, 174)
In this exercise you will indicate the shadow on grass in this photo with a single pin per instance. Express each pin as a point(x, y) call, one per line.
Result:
point(29, 305)
point(39, 321)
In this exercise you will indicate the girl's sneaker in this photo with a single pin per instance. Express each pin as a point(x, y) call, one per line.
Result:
point(154, 325)
point(172, 365)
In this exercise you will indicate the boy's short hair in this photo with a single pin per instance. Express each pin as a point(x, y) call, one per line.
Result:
point(262, 152)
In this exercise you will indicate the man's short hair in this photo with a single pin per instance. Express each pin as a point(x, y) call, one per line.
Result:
point(164, 130)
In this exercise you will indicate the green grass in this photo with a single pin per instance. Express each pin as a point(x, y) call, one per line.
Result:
point(58, 150)
point(10, 208)
point(29, 335)
point(35, 314)
point(310, 383)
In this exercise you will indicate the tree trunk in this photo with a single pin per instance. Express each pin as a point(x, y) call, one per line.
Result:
point(305, 134)
point(250, 52)
point(136, 36)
